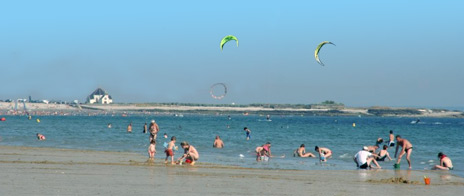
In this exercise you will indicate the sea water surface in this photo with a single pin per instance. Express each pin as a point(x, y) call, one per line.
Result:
point(286, 134)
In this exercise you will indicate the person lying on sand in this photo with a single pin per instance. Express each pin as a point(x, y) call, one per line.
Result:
point(445, 162)
point(301, 152)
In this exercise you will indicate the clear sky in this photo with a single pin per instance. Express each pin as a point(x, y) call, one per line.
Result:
point(391, 53)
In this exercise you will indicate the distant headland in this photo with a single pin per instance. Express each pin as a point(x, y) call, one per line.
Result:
point(327, 108)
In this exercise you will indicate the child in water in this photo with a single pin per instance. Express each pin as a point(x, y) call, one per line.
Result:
point(169, 150)
point(152, 150)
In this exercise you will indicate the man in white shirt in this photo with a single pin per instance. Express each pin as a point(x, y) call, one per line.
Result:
point(364, 158)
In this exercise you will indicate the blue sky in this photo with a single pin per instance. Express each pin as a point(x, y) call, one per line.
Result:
point(392, 53)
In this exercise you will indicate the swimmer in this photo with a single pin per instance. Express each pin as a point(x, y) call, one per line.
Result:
point(40, 136)
point(190, 153)
point(248, 132)
point(324, 153)
point(165, 136)
point(391, 143)
point(109, 125)
point(218, 143)
point(169, 150)
point(445, 162)
point(383, 154)
point(301, 152)
point(364, 158)
point(129, 128)
point(406, 148)
point(152, 150)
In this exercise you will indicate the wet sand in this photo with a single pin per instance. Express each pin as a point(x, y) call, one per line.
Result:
point(47, 171)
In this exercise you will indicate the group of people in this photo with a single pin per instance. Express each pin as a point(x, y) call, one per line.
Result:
point(363, 158)
point(190, 152)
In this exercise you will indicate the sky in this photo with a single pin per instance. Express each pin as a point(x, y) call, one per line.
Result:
point(387, 53)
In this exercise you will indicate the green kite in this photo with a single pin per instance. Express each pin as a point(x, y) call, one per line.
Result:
point(316, 52)
point(227, 39)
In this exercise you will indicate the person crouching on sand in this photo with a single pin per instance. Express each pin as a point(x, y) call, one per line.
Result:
point(152, 150)
point(445, 162)
point(190, 153)
point(40, 136)
point(364, 158)
point(301, 152)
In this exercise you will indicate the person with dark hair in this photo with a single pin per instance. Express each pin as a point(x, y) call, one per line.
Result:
point(445, 162)
point(324, 153)
point(301, 152)
point(190, 153)
point(383, 154)
point(406, 148)
point(40, 136)
point(391, 142)
point(248, 132)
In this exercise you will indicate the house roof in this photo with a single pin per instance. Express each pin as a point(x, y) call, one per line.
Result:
point(99, 91)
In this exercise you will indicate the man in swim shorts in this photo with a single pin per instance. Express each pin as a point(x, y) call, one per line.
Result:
point(406, 148)
point(445, 162)
point(363, 159)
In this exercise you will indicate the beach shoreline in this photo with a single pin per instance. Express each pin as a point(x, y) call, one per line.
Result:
point(50, 171)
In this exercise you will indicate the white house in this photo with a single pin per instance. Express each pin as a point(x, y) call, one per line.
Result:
point(99, 96)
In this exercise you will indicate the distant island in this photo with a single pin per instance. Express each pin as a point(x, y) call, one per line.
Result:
point(327, 108)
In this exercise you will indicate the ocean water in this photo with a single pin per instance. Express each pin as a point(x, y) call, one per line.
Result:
point(286, 133)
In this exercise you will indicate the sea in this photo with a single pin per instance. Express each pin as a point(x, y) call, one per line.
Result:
point(345, 136)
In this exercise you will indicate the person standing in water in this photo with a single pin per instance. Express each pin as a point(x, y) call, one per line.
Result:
point(154, 128)
point(145, 128)
point(129, 128)
point(218, 143)
point(445, 162)
point(406, 148)
point(248, 132)
point(391, 143)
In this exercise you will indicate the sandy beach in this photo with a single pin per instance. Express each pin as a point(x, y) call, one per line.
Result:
point(48, 171)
